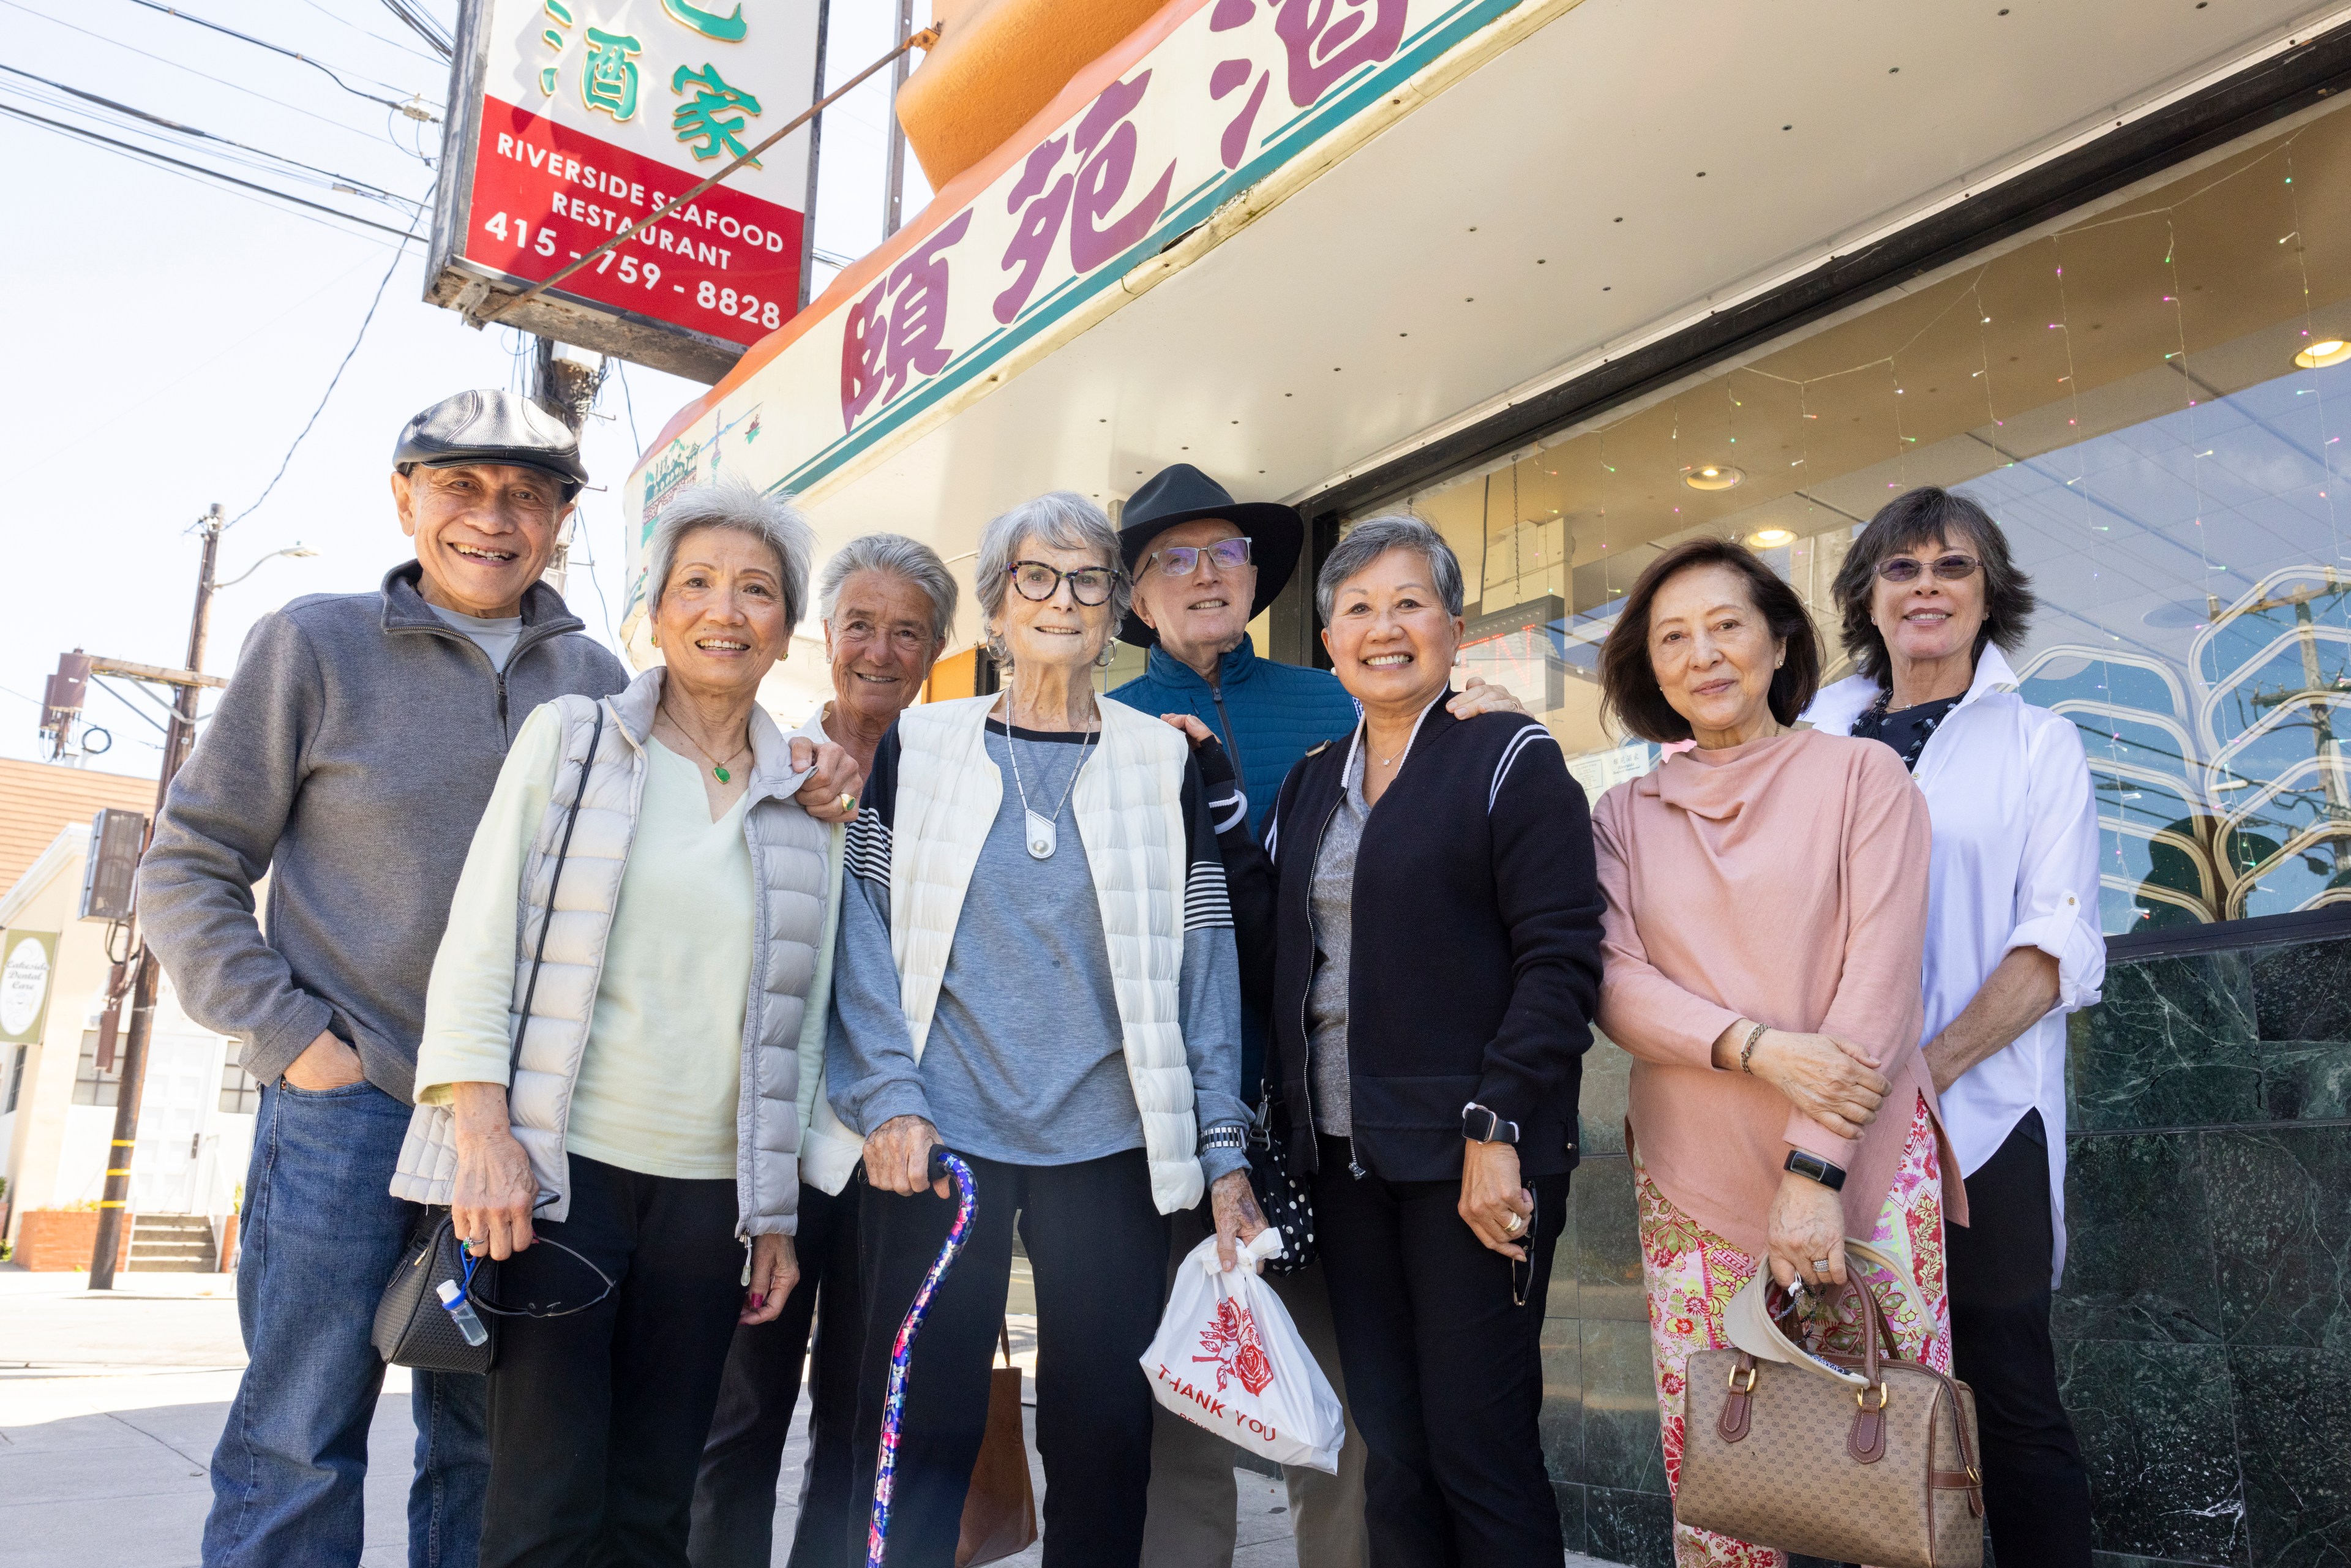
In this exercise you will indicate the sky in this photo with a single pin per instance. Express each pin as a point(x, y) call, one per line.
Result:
point(171, 337)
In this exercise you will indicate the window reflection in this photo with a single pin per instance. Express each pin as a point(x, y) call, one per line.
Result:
point(2124, 394)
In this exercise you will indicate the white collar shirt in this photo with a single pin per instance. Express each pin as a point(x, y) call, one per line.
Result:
point(2014, 864)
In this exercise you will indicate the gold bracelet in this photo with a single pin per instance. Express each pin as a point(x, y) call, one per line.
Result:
point(1747, 1050)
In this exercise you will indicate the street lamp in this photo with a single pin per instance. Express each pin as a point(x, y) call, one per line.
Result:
point(296, 549)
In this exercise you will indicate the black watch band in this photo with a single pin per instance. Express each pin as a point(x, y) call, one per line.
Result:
point(1812, 1167)
point(1481, 1125)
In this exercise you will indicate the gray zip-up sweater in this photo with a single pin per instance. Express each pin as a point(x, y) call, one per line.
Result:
point(348, 760)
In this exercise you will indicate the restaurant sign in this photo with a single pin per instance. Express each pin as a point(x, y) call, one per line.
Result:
point(1045, 238)
point(575, 119)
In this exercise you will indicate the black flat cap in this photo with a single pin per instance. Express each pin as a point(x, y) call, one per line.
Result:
point(488, 426)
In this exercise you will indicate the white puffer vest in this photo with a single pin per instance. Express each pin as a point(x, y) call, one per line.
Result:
point(1128, 804)
point(829, 1150)
point(788, 919)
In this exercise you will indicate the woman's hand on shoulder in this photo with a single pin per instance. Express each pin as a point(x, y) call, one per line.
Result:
point(898, 1157)
point(835, 778)
point(1192, 729)
point(1478, 695)
point(775, 1270)
point(1493, 1205)
point(1238, 1219)
point(1806, 1227)
point(1832, 1081)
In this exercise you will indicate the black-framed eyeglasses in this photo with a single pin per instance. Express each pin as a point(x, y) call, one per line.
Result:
point(1950, 567)
point(1089, 585)
point(1183, 560)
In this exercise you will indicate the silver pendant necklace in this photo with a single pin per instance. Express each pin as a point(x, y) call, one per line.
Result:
point(1044, 837)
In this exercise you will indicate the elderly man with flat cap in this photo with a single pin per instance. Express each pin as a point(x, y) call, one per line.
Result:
point(1204, 566)
point(348, 760)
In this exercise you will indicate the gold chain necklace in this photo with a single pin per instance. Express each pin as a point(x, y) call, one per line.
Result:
point(717, 770)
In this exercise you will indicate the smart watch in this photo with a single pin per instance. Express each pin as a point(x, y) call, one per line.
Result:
point(1812, 1167)
point(1480, 1125)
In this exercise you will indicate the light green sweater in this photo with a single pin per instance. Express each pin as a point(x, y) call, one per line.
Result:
point(659, 1080)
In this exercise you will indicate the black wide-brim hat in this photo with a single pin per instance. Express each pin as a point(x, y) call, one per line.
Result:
point(1182, 494)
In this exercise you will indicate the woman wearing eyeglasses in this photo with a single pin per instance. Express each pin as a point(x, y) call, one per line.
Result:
point(1036, 969)
point(1931, 598)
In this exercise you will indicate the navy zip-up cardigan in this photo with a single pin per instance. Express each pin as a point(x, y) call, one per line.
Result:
point(1474, 966)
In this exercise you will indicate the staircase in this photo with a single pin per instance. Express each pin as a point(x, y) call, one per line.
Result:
point(171, 1244)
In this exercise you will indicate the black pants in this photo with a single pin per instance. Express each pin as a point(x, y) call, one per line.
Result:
point(2036, 1490)
point(734, 1496)
point(1097, 1247)
point(596, 1418)
point(1443, 1367)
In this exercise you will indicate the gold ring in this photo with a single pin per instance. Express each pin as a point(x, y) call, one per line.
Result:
point(1514, 1225)
point(847, 802)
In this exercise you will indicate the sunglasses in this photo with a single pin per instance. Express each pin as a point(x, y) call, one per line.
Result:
point(1945, 568)
point(1089, 585)
point(1183, 560)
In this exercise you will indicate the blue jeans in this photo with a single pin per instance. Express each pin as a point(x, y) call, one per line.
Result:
point(319, 1236)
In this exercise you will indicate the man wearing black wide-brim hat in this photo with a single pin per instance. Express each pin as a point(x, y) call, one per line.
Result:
point(1204, 566)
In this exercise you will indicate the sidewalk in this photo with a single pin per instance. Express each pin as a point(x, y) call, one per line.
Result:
point(110, 1403)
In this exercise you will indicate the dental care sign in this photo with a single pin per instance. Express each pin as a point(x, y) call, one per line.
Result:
point(577, 117)
point(1210, 102)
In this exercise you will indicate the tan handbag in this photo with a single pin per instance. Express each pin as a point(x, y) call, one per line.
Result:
point(1855, 1460)
point(1000, 1511)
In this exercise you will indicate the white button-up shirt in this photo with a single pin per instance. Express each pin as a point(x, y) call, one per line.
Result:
point(2015, 864)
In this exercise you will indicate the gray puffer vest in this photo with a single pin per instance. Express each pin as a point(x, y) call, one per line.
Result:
point(788, 864)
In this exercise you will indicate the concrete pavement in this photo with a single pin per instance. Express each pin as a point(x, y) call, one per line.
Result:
point(110, 1403)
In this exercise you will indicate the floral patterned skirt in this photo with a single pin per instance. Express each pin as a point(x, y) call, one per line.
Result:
point(1690, 1274)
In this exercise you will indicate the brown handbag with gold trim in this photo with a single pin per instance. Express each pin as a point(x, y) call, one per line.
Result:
point(1855, 1460)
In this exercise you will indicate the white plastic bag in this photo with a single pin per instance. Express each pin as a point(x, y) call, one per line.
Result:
point(1228, 1358)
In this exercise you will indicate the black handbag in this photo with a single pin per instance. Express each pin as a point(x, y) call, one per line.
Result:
point(412, 1328)
point(1287, 1202)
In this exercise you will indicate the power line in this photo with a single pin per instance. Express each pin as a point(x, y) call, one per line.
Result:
point(370, 33)
point(410, 108)
point(425, 26)
point(149, 153)
point(397, 257)
point(353, 183)
point(175, 65)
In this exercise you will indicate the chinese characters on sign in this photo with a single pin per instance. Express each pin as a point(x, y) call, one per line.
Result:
point(559, 172)
point(882, 345)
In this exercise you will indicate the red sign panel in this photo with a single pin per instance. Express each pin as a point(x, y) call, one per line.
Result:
point(545, 194)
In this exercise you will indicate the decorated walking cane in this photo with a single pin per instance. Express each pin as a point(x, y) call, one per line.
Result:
point(893, 1403)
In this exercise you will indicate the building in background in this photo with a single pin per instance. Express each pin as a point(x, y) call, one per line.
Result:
point(59, 1085)
point(1577, 281)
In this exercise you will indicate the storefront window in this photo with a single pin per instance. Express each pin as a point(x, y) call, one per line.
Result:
point(2151, 400)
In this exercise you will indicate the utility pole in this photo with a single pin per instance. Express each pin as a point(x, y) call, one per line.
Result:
point(564, 381)
point(893, 203)
point(177, 740)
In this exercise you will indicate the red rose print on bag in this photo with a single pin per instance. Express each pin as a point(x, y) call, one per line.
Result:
point(1234, 1349)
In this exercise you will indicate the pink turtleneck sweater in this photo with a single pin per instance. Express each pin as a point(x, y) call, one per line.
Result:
point(1784, 882)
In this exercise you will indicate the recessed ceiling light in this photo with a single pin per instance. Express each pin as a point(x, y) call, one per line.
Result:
point(1711, 476)
point(1771, 539)
point(2318, 356)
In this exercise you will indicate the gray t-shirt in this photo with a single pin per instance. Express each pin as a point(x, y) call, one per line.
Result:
point(1024, 1062)
point(492, 634)
point(1332, 901)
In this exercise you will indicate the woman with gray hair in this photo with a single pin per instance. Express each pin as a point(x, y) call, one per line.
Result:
point(1035, 969)
point(620, 1080)
point(888, 603)
point(1436, 959)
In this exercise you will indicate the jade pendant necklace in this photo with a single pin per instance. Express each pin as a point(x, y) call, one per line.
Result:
point(717, 770)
